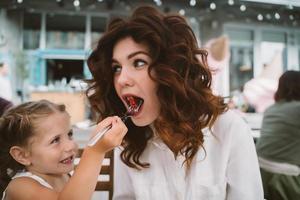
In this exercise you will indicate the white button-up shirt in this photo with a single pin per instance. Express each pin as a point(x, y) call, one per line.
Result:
point(227, 169)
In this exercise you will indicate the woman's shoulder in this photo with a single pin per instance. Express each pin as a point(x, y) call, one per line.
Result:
point(230, 118)
point(230, 124)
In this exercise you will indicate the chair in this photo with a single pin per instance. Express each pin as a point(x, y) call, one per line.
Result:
point(106, 170)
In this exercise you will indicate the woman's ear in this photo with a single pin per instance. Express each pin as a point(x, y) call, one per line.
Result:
point(21, 155)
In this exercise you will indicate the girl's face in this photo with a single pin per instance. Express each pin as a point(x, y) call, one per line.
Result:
point(130, 63)
point(52, 148)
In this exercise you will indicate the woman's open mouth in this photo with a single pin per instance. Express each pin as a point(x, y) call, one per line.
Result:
point(134, 104)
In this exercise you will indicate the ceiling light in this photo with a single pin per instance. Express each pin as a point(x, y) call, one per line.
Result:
point(277, 16)
point(182, 12)
point(260, 17)
point(231, 2)
point(76, 3)
point(192, 2)
point(243, 8)
point(213, 6)
point(158, 2)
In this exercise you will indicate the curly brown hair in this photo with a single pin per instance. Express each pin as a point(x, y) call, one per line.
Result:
point(182, 74)
point(17, 126)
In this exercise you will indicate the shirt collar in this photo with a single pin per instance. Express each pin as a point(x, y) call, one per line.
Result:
point(157, 141)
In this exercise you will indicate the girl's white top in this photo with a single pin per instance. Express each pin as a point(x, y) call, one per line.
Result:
point(30, 175)
point(229, 169)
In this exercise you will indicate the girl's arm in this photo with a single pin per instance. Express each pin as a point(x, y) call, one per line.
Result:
point(83, 182)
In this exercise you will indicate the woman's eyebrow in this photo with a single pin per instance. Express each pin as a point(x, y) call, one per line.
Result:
point(131, 55)
point(137, 52)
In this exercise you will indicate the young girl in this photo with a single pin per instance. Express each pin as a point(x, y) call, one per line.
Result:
point(182, 143)
point(38, 150)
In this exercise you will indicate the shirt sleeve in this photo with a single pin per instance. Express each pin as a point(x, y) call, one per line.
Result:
point(123, 189)
point(243, 174)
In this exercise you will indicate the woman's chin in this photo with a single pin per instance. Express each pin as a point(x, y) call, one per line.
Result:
point(140, 122)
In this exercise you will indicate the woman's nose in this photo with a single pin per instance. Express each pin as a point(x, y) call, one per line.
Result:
point(125, 78)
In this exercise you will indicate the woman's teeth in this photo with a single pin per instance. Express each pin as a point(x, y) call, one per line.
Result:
point(134, 104)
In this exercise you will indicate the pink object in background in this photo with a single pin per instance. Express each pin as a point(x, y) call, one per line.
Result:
point(218, 61)
point(259, 92)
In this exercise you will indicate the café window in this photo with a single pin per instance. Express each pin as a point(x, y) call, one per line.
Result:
point(62, 70)
point(241, 59)
point(65, 31)
point(98, 27)
point(274, 44)
point(32, 30)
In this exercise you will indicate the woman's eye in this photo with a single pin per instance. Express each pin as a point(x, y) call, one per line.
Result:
point(139, 63)
point(55, 140)
point(116, 68)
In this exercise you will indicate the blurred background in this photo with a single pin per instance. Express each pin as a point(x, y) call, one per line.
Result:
point(44, 45)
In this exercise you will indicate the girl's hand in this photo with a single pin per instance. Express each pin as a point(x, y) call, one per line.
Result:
point(113, 137)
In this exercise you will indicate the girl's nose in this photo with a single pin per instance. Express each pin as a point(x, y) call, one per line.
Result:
point(71, 145)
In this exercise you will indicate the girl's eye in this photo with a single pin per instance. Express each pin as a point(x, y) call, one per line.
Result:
point(55, 140)
point(116, 68)
point(70, 134)
point(139, 63)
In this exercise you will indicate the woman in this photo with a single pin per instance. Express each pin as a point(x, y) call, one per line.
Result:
point(182, 143)
point(278, 147)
